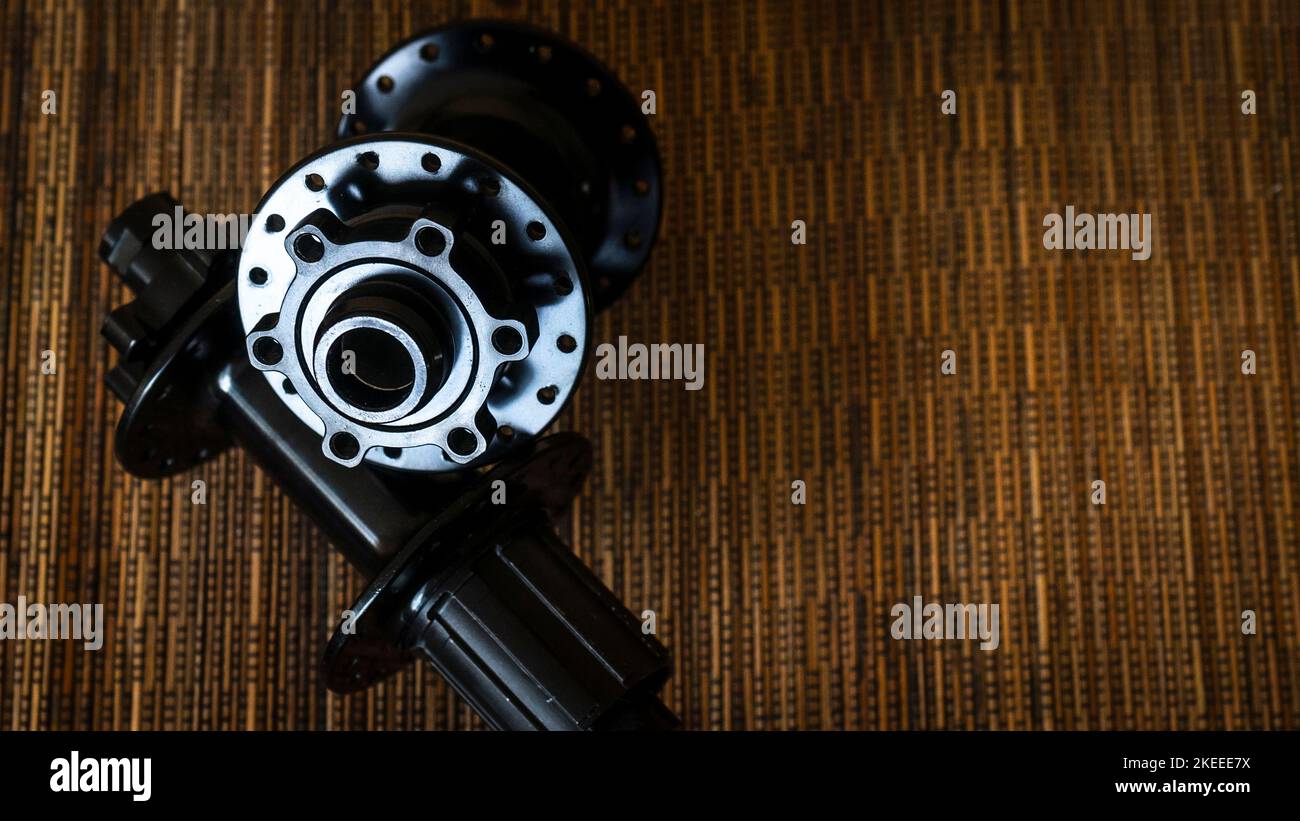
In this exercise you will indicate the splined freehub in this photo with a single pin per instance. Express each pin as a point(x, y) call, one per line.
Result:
point(411, 304)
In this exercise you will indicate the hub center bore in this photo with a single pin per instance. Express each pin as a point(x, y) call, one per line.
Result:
point(385, 379)
point(370, 368)
point(381, 351)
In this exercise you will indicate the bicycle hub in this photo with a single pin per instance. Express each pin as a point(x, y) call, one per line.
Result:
point(408, 312)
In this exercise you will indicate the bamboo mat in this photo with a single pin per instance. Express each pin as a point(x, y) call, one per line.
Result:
point(823, 364)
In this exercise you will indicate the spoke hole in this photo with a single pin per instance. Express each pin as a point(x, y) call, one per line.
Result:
point(536, 231)
point(257, 276)
point(369, 160)
point(566, 343)
point(315, 182)
point(385, 84)
point(547, 394)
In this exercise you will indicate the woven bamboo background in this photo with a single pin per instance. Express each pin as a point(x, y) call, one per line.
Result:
point(924, 234)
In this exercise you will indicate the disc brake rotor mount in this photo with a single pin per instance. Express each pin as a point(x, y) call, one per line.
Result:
point(413, 303)
point(506, 265)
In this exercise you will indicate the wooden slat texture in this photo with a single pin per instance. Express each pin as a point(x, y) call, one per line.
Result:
point(924, 234)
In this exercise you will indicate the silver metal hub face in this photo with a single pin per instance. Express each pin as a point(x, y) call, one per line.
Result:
point(413, 304)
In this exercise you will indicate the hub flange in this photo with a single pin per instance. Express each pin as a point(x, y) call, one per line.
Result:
point(545, 108)
point(441, 259)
